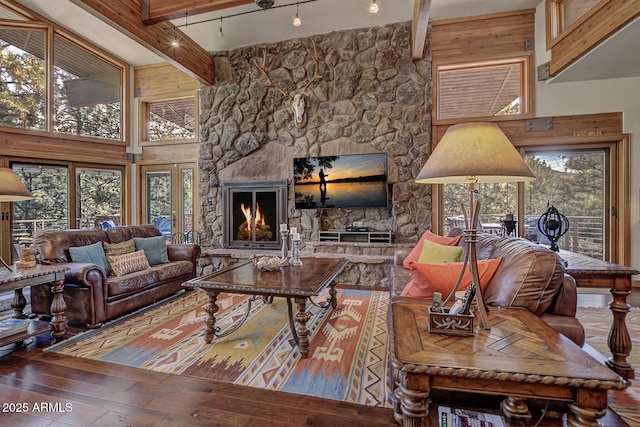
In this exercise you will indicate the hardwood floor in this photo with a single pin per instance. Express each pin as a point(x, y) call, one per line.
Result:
point(56, 390)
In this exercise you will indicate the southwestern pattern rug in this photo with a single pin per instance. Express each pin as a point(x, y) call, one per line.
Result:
point(347, 352)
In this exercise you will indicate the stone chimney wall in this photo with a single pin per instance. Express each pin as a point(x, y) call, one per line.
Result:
point(371, 97)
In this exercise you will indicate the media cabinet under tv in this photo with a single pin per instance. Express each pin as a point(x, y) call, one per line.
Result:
point(343, 236)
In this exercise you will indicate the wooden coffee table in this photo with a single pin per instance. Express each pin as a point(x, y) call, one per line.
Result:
point(297, 283)
point(520, 357)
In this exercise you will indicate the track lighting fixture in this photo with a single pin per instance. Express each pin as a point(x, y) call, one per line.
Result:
point(296, 21)
point(220, 33)
point(373, 7)
point(175, 42)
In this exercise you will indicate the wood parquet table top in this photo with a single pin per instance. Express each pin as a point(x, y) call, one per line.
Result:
point(519, 347)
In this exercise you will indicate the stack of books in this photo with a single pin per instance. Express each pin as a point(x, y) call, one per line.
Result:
point(455, 417)
point(11, 326)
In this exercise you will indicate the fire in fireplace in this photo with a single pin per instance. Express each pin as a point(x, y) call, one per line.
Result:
point(252, 213)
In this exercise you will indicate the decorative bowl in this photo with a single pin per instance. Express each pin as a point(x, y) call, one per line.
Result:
point(269, 263)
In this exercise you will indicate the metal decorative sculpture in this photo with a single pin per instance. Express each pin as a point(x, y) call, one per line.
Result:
point(553, 225)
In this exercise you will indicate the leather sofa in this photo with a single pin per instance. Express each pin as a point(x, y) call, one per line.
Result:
point(92, 297)
point(529, 276)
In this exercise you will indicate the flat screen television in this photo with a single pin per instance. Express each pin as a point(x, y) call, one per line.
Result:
point(345, 181)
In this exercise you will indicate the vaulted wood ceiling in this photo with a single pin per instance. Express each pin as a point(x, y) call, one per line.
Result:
point(146, 22)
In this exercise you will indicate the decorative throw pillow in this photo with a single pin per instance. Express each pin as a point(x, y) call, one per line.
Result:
point(428, 278)
point(428, 235)
point(111, 249)
point(93, 254)
point(121, 248)
point(155, 248)
point(128, 263)
point(435, 252)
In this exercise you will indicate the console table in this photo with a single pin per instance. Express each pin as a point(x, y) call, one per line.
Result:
point(40, 274)
point(594, 273)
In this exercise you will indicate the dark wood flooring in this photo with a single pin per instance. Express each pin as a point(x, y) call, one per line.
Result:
point(46, 389)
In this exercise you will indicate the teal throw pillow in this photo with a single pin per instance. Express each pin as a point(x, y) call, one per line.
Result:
point(93, 254)
point(155, 248)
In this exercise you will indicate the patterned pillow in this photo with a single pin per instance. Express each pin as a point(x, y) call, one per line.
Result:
point(111, 249)
point(128, 263)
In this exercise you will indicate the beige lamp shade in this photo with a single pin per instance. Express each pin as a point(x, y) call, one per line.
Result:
point(474, 152)
point(11, 188)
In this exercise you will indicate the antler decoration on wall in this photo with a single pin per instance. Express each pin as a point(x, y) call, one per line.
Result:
point(298, 101)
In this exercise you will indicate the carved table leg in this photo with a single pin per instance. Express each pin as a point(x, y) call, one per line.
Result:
point(584, 417)
point(619, 339)
point(332, 294)
point(210, 322)
point(301, 319)
point(515, 407)
point(395, 380)
point(414, 407)
point(58, 306)
point(18, 304)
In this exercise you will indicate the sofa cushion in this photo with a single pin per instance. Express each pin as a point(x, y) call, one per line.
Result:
point(128, 263)
point(93, 254)
point(173, 269)
point(428, 278)
point(121, 286)
point(428, 235)
point(155, 248)
point(435, 252)
point(530, 279)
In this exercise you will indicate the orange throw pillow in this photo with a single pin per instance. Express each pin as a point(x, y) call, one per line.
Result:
point(428, 235)
point(441, 277)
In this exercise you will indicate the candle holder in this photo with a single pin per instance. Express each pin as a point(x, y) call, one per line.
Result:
point(285, 248)
point(295, 253)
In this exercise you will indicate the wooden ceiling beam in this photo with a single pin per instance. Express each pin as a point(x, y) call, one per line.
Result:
point(125, 16)
point(155, 11)
point(419, 27)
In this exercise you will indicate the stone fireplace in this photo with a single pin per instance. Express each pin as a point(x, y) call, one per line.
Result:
point(253, 212)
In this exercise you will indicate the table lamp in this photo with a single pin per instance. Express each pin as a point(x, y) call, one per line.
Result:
point(11, 190)
point(473, 153)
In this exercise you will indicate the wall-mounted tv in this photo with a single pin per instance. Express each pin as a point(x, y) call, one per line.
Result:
point(345, 181)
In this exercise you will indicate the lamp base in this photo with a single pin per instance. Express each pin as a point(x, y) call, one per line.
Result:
point(4, 264)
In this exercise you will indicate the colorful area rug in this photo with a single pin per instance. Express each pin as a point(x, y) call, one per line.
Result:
point(597, 323)
point(347, 352)
point(348, 346)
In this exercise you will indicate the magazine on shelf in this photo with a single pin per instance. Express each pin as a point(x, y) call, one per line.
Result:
point(11, 326)
point(455, 417)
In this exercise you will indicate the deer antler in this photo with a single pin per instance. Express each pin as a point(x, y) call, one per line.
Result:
point(316, 75)
point(263, 69)
point(271, 83)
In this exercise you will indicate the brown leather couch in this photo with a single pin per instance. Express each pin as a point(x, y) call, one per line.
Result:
point(93, 298)
point(530, 276)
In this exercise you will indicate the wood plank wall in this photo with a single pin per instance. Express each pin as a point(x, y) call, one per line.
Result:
point(483, 37)
point(165, 82)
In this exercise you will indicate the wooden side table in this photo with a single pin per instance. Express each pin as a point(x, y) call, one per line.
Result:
point(38, 275)
point(594, 273)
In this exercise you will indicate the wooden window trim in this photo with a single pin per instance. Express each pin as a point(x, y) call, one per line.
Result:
point(554, 20)
point(143, 115)
point(527, 85)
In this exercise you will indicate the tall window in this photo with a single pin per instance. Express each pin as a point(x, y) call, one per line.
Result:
point(22, 78)
point(49, 208)
point(98, 196)
point(87, 85)
point(574, 181)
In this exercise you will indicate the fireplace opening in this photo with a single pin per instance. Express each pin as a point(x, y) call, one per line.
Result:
point(253, 211)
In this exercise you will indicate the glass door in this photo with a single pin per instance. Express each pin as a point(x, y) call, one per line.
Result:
point(168, 197)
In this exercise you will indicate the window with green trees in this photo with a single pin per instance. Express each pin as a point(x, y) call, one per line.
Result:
point(574, 181)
